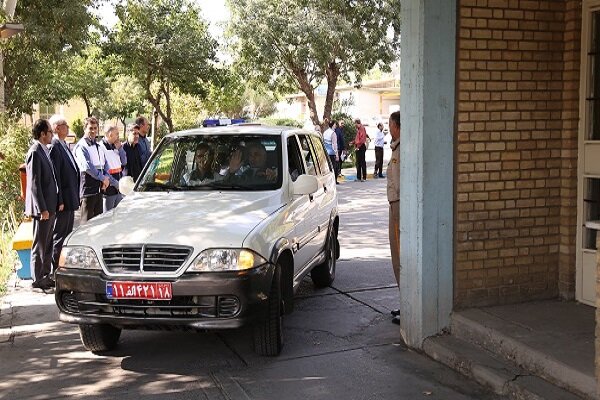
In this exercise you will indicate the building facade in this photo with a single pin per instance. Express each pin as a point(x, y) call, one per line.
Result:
point(505, 94)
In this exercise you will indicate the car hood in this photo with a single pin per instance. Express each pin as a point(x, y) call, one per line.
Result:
point(199, 219)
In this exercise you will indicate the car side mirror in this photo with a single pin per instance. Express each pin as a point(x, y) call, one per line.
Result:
point(306, 184)
point(126, 185)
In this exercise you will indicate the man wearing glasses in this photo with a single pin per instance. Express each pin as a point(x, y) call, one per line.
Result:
point(67, 179)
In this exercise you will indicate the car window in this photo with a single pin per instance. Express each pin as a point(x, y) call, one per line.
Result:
point(307, 155)
point(215, 162)
point(322, 157)
point(295, 165)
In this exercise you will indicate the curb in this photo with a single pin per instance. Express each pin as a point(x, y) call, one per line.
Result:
point(19, 295)
point(500, 376)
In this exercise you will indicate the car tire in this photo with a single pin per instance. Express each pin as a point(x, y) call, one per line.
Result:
point(268, 331)
point(323, 274)
point(99, 337)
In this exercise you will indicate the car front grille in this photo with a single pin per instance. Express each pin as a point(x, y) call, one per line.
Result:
point(137, 259)
point(180, 307)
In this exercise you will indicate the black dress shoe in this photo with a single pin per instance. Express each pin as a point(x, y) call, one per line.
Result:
point(396, 320)
point(395, 312)
point(45, 283)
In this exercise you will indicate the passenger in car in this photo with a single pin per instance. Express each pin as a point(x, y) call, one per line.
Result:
point(205, 172)
point(256, 169)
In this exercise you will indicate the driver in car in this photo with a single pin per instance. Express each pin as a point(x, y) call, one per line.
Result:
point(256, 169)
point(204, 172)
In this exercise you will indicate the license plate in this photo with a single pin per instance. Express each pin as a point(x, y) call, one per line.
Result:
point(139, 290)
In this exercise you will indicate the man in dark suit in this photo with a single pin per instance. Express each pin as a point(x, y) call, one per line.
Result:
point(41, 202)
point(68, 179)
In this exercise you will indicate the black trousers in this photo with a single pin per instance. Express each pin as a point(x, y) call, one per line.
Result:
point(361, 163)
point(339, 164)
point(334, 163)
point(62, 227)
point(90, 207)
point(41, 247)
point(378, 161)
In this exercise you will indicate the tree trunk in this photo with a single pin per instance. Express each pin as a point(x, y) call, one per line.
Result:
point(87, 104)
point(332, 72)
point(124, 128)
point(155, 101)
point(309, 91)
point(167, 94)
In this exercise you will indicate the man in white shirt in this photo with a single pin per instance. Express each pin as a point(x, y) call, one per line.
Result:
point(331, 146)
point(379, 142)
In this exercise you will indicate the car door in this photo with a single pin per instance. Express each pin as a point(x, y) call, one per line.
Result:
point(302, 207)
point(325, 201)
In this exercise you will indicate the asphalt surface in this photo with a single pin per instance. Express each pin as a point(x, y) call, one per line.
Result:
point(339, 342)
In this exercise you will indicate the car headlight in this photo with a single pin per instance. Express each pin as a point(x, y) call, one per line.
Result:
point(216, 260)
point(78, 257)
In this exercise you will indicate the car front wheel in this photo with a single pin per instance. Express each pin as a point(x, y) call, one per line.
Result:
point(268, 330)
point(100, 337)
point(324, 274)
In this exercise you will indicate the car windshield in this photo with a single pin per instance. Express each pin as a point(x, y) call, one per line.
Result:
point(215, 162)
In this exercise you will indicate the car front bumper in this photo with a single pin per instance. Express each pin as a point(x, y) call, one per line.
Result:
point(203, 301)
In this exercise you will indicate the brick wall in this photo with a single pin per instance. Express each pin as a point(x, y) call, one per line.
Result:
point(516, 150)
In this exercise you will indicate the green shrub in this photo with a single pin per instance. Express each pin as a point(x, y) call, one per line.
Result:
point(281, 122)
point(14, 142)
point(77, 128)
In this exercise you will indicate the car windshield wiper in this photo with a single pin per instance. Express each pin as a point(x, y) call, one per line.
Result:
point(229, 185)
point(148, 186)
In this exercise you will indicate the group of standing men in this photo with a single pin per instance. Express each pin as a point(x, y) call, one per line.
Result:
point(59, 182)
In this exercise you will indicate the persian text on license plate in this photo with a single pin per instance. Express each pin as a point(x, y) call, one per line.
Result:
point(139, 290)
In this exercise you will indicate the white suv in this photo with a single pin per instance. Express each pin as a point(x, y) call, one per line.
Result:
point(218, 231)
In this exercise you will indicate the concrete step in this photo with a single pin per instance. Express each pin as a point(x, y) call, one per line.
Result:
point(486, 331)
point(503, 377)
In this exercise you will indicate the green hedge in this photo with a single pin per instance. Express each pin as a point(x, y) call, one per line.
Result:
point(14, 142)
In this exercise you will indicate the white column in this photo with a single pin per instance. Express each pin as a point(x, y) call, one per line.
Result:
point(426, 167)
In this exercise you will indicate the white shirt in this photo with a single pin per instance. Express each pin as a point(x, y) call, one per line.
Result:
point(329, 136)
point(379, 139)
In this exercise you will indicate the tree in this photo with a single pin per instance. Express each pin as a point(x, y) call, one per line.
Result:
point(34, 60)
point(89, 77)
point(225, 97)
point(297, 44)
point(187, 111)
point(124, 99)
point(234, 96)
point(164, 44)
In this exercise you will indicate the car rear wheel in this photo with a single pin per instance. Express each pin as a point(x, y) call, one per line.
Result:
point(99, 337)
point(268, 331)
point(323, 274)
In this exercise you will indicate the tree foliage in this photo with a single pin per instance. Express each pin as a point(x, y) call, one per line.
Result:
point(297, 44)
point(233, 95)
point(90, 77)
point(164, 44)
point(34, 64)
point(124, 99)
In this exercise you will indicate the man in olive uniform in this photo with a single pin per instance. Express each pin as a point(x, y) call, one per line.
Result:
point(393, 195)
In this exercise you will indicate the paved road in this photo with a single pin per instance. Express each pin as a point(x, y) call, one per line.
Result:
point(340, 343)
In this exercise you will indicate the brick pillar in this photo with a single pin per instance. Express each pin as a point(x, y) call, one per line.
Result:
point(568, 155)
